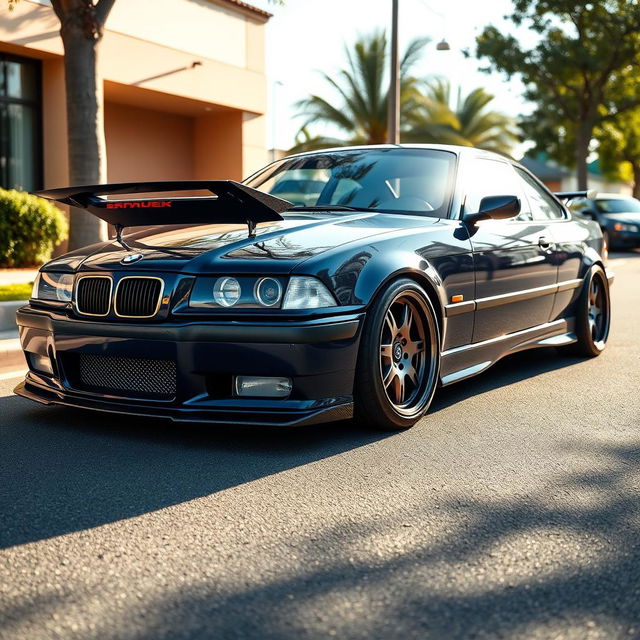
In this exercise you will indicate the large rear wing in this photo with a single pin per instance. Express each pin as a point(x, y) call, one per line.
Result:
point(230, 202)
point(569, 195)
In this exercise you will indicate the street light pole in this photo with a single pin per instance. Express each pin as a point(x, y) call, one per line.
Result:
point(393, 105)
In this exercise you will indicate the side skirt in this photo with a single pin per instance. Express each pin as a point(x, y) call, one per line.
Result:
point(470, 359)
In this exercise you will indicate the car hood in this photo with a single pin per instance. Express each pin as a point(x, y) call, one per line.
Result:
point(277, 247)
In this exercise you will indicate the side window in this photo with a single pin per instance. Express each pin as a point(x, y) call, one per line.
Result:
point(543, 205)
point(485, 177)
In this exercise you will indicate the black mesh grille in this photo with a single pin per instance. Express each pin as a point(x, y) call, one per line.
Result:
point(138, 297)
point(93, 296)
point(128, 376)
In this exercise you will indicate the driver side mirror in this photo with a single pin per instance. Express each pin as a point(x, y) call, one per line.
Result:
point(495, 208)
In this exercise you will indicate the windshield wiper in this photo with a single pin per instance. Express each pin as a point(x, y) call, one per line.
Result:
point(328, 207)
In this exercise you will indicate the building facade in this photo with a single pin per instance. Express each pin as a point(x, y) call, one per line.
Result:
point(184, 92)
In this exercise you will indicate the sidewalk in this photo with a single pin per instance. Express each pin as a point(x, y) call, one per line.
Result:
point(17, 276)
point(11, 355)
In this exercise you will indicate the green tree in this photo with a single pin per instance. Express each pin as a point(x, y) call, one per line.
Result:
point(467, 120)
point(619, 149)
point(575, 74)
point(362, 88)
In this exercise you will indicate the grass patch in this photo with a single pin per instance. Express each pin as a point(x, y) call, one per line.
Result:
point(15, 291)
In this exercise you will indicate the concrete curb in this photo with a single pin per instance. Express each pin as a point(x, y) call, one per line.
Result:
point(8, 314)
point(11, 355)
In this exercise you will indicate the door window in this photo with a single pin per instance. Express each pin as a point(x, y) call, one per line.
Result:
point(486, 177)
point(543, 205)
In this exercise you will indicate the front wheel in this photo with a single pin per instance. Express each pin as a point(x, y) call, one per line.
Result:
point(399, 358)
point(593, 314)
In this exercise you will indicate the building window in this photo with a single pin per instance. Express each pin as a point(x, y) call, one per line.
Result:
point(20, 118)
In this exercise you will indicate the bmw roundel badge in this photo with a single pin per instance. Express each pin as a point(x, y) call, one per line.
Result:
point(132, 257)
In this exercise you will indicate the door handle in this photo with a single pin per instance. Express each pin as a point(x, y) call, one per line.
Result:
point(544, 242)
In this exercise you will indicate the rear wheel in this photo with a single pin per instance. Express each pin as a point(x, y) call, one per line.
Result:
point(399, 358)
point(593, 314)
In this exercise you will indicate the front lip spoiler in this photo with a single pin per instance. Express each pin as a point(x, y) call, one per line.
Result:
point(343, 411)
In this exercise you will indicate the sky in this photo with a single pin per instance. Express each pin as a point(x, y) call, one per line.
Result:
point(307, 36)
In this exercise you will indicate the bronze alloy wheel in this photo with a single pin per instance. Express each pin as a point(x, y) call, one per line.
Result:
point(399, 358)
point(405, 353)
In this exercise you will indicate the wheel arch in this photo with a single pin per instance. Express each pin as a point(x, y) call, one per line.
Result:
point(428, 279)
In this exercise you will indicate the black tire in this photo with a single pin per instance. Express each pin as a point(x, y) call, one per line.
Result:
point(593, 315)
point(399, 358)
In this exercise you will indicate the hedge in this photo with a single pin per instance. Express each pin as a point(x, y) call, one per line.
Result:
point(30, 228)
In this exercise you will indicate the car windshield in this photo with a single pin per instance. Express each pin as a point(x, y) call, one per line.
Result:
point(618, 205)
point(416, 181)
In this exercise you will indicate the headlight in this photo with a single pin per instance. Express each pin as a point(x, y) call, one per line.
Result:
point(259, 292)
point(620, 226)
point(268, 292)
point(241, 292)
point(226, 292)
point(304, 292)
point(53, 286)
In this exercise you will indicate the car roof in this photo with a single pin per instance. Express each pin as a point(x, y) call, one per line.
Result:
point(453, 148)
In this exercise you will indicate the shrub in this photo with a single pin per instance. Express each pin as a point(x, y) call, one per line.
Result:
point(30, 228)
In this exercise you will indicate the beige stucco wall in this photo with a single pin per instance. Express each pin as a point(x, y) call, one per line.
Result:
point(147, 145)
point(197, 27)
point(136, 61)
point(164, 117)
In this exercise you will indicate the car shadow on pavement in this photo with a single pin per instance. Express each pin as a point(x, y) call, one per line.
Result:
point(64, 470)
point(67, 470)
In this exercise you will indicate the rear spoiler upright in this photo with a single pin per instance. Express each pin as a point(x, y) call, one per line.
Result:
point(569, 195)
point(230, 202)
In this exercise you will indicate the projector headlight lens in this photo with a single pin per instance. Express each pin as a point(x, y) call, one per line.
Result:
point(268, 292)
point(53, 286)
point(226, 292)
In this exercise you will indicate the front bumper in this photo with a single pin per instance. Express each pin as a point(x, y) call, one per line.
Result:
point(623, 239)
point(319, 356)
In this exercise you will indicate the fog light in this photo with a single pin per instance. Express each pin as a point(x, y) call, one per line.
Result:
point(40, 363)
point(260, 387)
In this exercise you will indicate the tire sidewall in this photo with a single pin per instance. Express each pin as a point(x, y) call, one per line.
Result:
point(583, 330)
point(368, 385)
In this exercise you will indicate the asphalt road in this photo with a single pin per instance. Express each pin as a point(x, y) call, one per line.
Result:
point(511, 511)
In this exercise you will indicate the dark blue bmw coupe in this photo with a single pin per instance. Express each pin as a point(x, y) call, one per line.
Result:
point(329, 284)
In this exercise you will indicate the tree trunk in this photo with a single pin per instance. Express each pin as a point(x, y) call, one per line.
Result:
point(636, 180)
point(583, 140)
point(86, 143)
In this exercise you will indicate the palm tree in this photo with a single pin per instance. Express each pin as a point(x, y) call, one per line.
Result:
point(469, 122)
point(362, 88)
